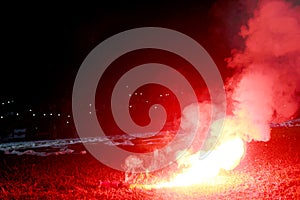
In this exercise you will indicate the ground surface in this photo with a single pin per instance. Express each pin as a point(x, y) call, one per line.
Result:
point(269, 171)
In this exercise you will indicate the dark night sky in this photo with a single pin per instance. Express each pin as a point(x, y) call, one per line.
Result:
point(43, 46)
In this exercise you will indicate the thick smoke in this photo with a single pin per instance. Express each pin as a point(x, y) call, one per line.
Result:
point(263, 88)
point(267, 71)
point(266, 82)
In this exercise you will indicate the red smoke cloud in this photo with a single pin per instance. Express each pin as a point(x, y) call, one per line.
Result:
point(262, 90)
point(267, 71)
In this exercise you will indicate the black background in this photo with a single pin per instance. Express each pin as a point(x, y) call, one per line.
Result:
point(43, 46)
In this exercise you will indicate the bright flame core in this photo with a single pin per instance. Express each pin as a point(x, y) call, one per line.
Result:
point(196, 171)
point(226, 156)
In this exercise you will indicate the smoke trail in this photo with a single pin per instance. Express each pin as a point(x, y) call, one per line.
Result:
point(264, 86)
point(266, 80)
point(263, 90)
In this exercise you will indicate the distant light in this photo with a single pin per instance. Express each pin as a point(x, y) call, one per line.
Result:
point(90, 112)
point(1, 117)
point(160, 95)
point(141, 93)
point(147, 101)
point(68, 122)
point(12, 101)
point(3, 103)
point(129, 95)
point(167, 94)
point(69, 116)
point(17, 114)
point(30, 110)
point(50, 114)
point(58, 114)
point(130, 106)
point(44, 114)
point(90, 105)
point(8, 101)
point(155, 107)
point(33, 114)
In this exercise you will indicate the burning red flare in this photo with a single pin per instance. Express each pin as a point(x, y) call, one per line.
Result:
point(226, 156)
point(263, 90)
